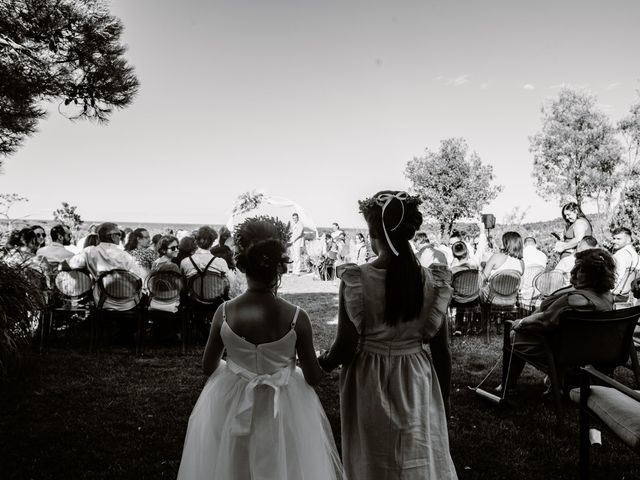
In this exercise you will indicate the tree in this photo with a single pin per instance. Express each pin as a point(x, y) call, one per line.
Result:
point(59, 50)
point(452, 183)
point(577, 152)
point(67, 216)
point(628, 211)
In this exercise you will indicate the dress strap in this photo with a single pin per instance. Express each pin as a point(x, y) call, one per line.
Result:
point(295, 318)
point(224, 312)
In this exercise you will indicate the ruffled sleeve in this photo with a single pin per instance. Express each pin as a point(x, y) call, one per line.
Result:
point(352, 293)
point(437, 295)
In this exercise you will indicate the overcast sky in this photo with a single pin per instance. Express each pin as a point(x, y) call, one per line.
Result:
point(323, 102)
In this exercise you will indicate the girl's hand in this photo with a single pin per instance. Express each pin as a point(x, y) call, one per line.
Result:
point(560, 247)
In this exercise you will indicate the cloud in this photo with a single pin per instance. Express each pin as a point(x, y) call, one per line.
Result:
point(613, 85)
point(529, 86)
point(459, 80)
point(484, 86)
point(438, 78)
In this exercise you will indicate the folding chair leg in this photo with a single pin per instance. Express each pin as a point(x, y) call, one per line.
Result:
point(585, 444)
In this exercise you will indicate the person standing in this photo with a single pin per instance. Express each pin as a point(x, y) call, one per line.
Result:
point(394, 397)
point(297, 242)
point(577, 226)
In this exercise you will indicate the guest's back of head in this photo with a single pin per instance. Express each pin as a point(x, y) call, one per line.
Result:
point(91, 240)
point(205, 236)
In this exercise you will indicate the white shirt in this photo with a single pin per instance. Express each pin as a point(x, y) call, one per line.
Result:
point(565, 265)
point(201, 259)
point(532, 256)
point(56, 252)
point(102, 258)
point(626, 258)
point(296, 234)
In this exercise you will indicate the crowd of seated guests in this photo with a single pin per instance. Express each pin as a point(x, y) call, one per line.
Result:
point(107, 247)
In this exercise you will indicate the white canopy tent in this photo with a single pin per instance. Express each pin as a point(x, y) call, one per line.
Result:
point(278, 207)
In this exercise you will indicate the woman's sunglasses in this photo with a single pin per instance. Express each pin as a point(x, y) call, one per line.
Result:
point(173, 249)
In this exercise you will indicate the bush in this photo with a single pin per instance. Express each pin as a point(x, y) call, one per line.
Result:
point(20, 302)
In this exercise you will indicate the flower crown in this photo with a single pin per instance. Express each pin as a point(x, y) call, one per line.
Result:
point(282, 234)
point(380, 199)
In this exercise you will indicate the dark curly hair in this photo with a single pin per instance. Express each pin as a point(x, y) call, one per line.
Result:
point(404, 282)
point(261, 244)
point(598, 267)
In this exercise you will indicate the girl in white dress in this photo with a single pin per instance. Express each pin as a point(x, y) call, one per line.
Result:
point(258, 417)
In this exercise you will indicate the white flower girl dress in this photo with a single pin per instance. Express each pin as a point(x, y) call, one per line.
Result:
point(257, 418)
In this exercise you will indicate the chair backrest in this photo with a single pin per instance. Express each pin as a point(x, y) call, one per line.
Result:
point(118, 285)
point(73, 284)
point(597, 338)
point(505, 283)
point(208, 287)
point(548, 282)
point(466, 286)
point(530, 274)
point(165, 285)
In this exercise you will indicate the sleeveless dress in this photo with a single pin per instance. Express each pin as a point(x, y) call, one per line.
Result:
point(569, 234)
point(392, 414)
point(257, 418)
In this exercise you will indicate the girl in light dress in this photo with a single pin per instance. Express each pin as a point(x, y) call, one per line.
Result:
point(393, 397)
point(257, 416)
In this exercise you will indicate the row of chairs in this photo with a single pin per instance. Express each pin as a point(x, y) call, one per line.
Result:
point(168, 293)
point(506, 292)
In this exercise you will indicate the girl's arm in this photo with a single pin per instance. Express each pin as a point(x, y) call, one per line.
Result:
point(441, 354)
point(215, 346)
point(346, 341)
point(306, 352)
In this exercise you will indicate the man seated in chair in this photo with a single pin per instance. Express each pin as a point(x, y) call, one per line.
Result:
point(592, 279)
point(203, 259)
point(56, 252)
point(104, 257)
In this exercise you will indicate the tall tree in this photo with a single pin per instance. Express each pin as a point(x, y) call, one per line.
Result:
point(577, 152)
point(59, 50)
point(453, 183)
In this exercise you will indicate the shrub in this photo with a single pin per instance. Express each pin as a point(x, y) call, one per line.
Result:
point(20, 302)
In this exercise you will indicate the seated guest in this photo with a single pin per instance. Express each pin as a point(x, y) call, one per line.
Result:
point(24, 256)
point(509, 258)
point(202, 259)
point(626, 259)
point(224, 247)
point(167, 250)
point(426, 253)
point(154, 241)
point(531, 255)
point(41, 236)
point(186, 247)
point(56, 251)
point(91, 240)
point(80, 244)
point(566, 263)
point(138, 246)
point(592, 278)
point(461, 258)
point(104, 257)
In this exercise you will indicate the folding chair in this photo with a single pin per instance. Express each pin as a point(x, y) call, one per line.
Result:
point(71, 295)
point(528, 292)
point(206, 291)
point(118, 286)
point(466, 293)
point(612, 405)
point(501, 297)
point(165, 288)
point(602, 339)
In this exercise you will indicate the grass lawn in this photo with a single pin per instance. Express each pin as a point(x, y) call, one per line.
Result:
point(111, 415)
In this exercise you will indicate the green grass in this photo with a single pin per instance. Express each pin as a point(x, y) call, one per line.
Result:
point(111, 415)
